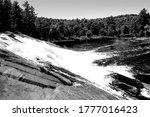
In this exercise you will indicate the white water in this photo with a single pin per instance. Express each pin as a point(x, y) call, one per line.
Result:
point(80, 63)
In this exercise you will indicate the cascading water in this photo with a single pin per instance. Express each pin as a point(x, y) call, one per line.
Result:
point(90, 64)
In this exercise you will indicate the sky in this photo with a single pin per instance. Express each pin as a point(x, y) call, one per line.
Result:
point(89, 9)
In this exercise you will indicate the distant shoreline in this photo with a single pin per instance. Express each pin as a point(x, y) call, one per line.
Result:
point(80, 40)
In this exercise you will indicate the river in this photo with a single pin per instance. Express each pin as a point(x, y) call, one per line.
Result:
point(120, 66)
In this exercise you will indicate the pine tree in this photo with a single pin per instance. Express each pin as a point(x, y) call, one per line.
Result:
point(17, 17)
point(29, 18)
point(6, 15)
point(143, 20)
point(144, 17)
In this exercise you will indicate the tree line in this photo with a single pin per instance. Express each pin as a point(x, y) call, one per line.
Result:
point(23, 19)
point(16, 19)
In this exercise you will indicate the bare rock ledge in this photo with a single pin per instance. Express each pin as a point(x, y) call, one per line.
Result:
point(22, 80)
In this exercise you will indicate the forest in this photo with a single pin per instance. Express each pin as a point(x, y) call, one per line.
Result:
point(23, 19)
